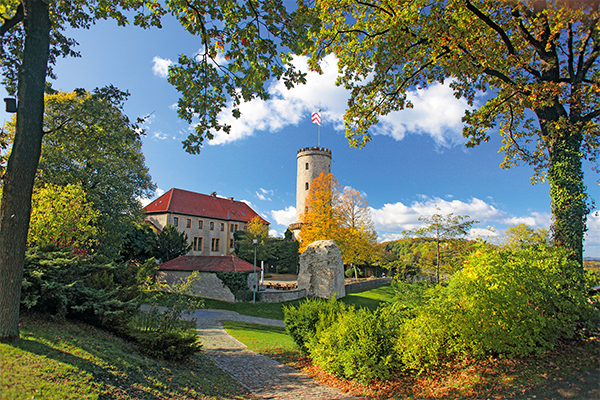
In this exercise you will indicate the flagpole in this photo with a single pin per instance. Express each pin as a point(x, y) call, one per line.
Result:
point(319, 132)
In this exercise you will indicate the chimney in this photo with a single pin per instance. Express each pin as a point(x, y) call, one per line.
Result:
point(230, 199)
point(214, 195)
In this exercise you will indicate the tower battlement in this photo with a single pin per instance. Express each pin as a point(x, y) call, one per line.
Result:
point(316, 149)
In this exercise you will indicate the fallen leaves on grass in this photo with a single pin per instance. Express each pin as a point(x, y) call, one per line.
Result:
point(555, 374)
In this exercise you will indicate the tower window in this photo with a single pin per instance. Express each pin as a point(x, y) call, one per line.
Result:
point(306, 186)
point(306, 165)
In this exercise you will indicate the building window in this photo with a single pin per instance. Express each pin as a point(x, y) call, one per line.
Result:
point(231, 244)
point(212, 226)
point(200, 224)
point(188, 223)
point(222, 227)
point(230, 228)
point(197, 244)
point(306, 165)
point(306, 186)
point(175, 221)
point(236, 228)
point(214, 245)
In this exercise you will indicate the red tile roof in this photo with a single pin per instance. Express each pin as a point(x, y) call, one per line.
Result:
point(207, 264)
point(202, 205)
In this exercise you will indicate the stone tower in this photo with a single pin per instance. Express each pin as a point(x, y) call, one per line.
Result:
point(311, 162)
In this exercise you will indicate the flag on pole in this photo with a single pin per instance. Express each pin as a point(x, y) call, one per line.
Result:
point(316, 118)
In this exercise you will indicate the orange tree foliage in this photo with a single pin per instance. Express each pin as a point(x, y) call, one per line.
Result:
point(339, 215)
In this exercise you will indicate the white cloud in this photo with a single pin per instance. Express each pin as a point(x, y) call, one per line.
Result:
point(591, 245)
point(436, 112)
point(284, 217)
point(161, 66)
point(263, 194)
point(275, 234)
point(397, 217)
point(145, 200)
point(535, 220)
point(160, 135)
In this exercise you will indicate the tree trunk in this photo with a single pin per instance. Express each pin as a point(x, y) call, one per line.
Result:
point(568, 197)
point(15, 208)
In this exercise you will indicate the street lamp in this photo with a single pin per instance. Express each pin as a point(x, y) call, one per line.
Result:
point(255, 243)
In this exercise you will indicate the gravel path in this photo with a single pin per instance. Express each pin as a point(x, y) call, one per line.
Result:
point(264, 377)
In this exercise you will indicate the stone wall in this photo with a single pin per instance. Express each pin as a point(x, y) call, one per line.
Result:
point(209, 286)
point(367, 284)
point(282, 295)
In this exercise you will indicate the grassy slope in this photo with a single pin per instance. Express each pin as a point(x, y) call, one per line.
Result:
point(73, 360)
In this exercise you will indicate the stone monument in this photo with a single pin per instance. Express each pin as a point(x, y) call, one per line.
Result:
point(322, 270)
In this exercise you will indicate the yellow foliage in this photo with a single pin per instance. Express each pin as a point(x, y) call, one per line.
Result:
point(339, 215)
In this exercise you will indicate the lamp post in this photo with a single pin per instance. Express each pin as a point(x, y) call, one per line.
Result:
point(255, 243)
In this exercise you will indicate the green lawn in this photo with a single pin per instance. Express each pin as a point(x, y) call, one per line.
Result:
point(369, 299)
point(73, 360)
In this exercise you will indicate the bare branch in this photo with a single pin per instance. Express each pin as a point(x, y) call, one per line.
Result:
point(488, 21)
point(364, 3)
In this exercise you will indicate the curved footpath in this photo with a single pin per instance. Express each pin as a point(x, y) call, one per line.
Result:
point(264, 377)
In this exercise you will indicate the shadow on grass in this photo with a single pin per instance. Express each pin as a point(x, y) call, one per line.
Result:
point(112, 366)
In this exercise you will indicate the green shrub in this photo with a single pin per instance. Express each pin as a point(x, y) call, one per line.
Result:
point(359, 344)
point(64, 284)
point(174, 346)
point(302, 321)
point(513, 302)
point(237, 282)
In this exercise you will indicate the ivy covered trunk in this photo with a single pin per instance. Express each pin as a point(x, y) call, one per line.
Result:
point(567, 191)
point(22, 164)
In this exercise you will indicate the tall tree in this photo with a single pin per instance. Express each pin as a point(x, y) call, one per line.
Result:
point(244, 241)
point(319, 220)
point(170, 244)
point(536, 61)
point(520, 235)
point(32, 38)
point(90, 141)
point(357, 235)
point(339, 215)
point(442, 228)
point(62, 216)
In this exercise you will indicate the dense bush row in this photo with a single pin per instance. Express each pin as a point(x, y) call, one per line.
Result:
point(511, 302)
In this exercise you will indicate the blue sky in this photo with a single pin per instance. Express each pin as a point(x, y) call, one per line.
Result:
point(416, 161)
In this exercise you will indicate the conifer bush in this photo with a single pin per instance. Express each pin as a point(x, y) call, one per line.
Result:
point(63, 283)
